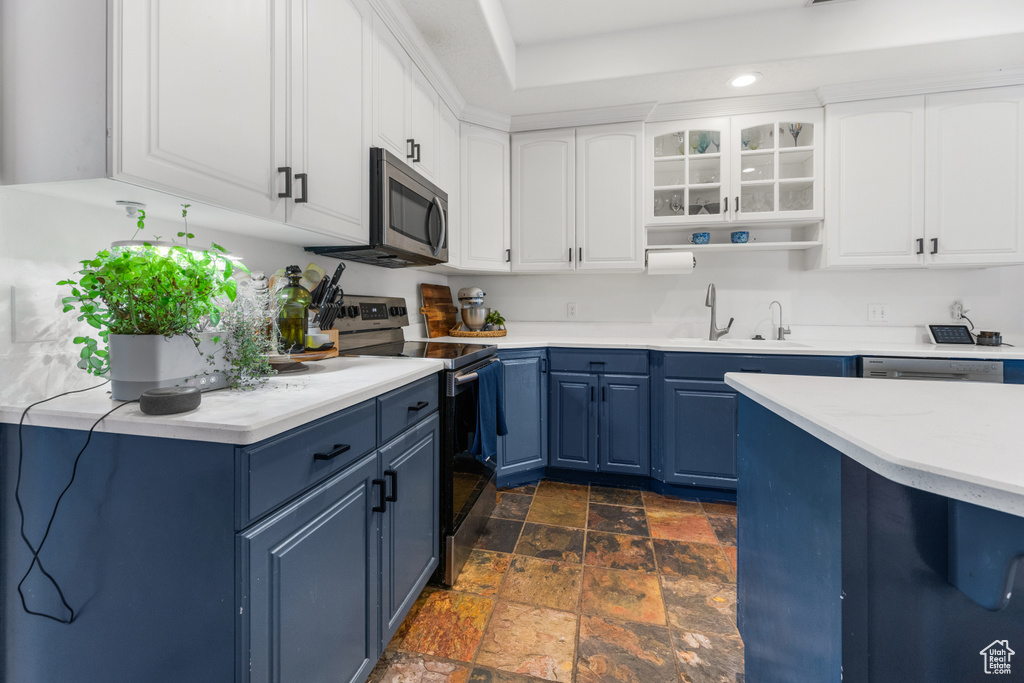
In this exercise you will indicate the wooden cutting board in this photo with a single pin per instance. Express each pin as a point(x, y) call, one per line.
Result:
point(438, 310)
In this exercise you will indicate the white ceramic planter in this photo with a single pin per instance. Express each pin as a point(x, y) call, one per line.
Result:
point(147, 361)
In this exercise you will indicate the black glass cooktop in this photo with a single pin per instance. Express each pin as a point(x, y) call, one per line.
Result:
point(454, 355)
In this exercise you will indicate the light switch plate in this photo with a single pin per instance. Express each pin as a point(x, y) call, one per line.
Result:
point(34, 314)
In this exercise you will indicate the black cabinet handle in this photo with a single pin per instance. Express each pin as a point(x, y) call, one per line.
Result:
point(419, 406)
point(570, 254)
point(302, 198)
point(394, 485)
point(737, 209)
point(410, 148)
point(604, 394)
point(579, 258)
point(591, 394)
point(935, 245)
point(543, 365)
point(416, 152)
point(287, 170)
point(749, 370)
point(920, 245)
point(383, 505)
point(508, 256)
point(339, 448)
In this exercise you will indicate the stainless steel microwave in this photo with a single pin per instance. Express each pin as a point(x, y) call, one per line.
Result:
point(408, 218)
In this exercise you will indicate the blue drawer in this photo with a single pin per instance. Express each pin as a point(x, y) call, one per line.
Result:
point(402, 408)
point(601, 361)
point(276, 470)
point(715, 365)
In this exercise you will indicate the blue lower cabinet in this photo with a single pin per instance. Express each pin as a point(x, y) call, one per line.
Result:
point(312, 570)
point(525, 447)
point(573, 437)
point(625, 425)
point(410, 533)
point(698, 433)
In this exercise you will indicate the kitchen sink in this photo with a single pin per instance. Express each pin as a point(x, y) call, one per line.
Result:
point(762, 343)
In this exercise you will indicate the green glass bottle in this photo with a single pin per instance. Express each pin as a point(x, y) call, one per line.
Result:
point(293, 302)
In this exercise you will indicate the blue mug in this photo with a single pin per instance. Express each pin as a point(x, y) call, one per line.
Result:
point(701, 238)
point(740, 237)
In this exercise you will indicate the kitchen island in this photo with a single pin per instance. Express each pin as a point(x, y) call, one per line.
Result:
point(264, 536)
point(880, 527)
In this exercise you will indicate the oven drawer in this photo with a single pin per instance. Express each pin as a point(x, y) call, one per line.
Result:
point(402, 408)
point(278, 469)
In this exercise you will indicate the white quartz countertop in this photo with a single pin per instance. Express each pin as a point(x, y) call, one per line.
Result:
point(962, 440)
point(239, 417)
point(517, 340)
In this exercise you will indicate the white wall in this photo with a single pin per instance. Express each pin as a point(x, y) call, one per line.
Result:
point(42, 238)
point(817, 304)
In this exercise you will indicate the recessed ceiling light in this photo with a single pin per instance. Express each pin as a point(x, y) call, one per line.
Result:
point(743, 80)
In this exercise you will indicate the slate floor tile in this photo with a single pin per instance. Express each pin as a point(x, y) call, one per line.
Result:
point(613, 651)
point(535, 641)
point(612, 496)
point(483, 572)
point(708, 657)
point(624, 595)
point(701, 561)
point(449, 625)
point(561, 543)
point(512, 505)
point(617, 519)
point(558, 489)
point(725, 529)
point(544, 583)
point(730, 552)
point(409, 667)
point(482, 675)
point(403, 628)
point(656, 501)
point(720, 508)
point(619, 551)
point(680, 526)
point(700, 605)
point(500, 535)
point(525, 489)
point(558, 511)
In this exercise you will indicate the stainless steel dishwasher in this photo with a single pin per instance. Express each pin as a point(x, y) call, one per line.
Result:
point(931, 368)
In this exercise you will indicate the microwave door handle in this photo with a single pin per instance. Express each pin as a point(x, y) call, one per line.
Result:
point(444, 227)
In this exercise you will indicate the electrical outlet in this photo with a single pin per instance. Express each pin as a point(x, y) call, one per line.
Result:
point(956, 311)
point(571, 311)
point(878, 313)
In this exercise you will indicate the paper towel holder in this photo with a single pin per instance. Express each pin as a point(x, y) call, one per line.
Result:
point(647, 254)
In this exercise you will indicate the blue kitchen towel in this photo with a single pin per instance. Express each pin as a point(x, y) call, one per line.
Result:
point(490, 411)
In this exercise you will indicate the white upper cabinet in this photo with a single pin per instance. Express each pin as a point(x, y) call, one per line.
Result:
point(744, 169)
point(609, 184)
point(406, 111)
point(200, 109)
point(544, 200)
point(927, 181)
point(449, 180)
point(874, 177)
point(207, 107)
point(485, 199)
point(576, 199)
point(974, 148)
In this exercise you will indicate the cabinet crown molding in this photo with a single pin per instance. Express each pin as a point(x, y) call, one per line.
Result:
point(582, 117)
point(732, 106)
point(486, 118)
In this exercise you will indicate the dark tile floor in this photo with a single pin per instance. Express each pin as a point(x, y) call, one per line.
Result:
point(583, 584)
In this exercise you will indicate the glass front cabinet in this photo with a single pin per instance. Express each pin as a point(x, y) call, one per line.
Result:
point(759, 167)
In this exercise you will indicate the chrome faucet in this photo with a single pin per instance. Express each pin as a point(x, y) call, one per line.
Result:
point(780, 331)
point(710, 303)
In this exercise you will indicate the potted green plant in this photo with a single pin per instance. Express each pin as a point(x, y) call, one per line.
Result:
point(148, 301)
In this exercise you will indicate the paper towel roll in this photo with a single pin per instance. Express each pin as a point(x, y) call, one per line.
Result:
point(670, 262)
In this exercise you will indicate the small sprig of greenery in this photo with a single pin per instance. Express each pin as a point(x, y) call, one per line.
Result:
point(494, 318)
point(148, 289)
point(248, 343)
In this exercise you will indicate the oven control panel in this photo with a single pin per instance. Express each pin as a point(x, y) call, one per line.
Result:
point(360, 313)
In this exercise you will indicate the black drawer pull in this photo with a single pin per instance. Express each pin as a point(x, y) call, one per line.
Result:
point(749, 370)
point(383, 507)
point(339, 448)
point(419, 406)
point(393, 475)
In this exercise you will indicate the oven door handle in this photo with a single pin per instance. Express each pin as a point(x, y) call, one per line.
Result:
point(471, 376)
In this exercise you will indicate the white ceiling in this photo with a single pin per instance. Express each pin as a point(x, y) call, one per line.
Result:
point(537, 56)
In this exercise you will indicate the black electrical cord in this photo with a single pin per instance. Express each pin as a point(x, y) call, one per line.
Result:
point(21, 511)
